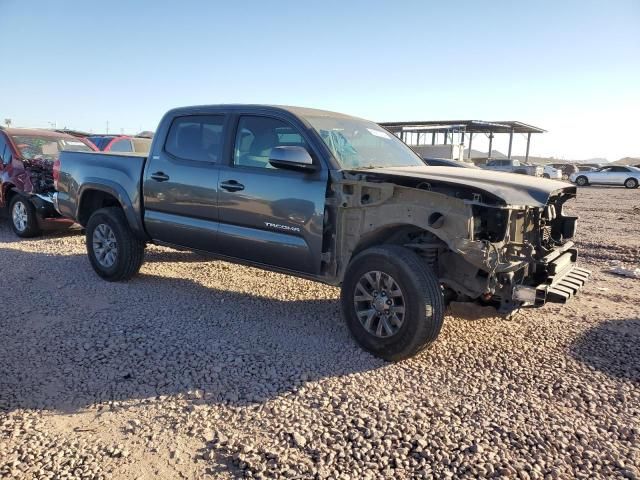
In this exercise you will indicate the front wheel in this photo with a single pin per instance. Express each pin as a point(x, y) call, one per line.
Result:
point(631, 183)
point(114, 251)
point(23, 217)
point(582, 181)
point(392, 302)
point(546, 175)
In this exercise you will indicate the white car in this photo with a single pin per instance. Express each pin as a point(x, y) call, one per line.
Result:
point(613, 175)
point(552, 172)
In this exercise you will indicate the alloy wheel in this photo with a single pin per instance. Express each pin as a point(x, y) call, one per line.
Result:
point(105, 246)
point(379, 304)
point(20, 216)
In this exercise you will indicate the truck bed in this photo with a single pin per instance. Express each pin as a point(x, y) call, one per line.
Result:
point(113, 173)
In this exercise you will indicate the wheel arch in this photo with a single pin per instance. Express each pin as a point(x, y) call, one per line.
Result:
point(392, 234)
point(8, 192)
point(92, 197)
point(389, 234)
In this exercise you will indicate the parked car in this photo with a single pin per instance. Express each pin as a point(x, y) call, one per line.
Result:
point(445, 162)
point(567, 168)
point(121, 143)
point(550, 172)
point(514, 166)
point(331, 198)
point(26, 182)
point(613, 175)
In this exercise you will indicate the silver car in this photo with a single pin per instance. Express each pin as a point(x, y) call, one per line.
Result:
point(613, 175)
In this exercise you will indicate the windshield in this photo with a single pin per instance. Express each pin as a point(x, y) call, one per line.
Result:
point(34, 147)
point(362, 144)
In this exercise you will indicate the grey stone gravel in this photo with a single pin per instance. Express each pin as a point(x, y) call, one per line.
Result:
point(201, 369)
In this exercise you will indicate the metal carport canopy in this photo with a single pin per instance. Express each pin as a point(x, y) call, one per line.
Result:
point(470, 126)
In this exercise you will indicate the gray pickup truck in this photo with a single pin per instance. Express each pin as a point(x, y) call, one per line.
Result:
point(514, 166)
point(331, 198)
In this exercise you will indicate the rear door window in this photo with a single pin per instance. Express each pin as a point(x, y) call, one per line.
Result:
point(196, 137)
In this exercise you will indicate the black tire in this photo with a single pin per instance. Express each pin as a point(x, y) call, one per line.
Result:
point(21, 207)
point(582, 181)
point(422, 297)
point(546, 175)
point(129, 250)
point(631, 183)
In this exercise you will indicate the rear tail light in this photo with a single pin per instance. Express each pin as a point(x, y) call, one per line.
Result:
point(56, 173)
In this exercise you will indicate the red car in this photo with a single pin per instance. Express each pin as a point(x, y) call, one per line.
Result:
point(26, 177)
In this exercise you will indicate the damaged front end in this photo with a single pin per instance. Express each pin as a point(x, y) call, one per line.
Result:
point(482, 245)
point(35, 180)
point(534, 258)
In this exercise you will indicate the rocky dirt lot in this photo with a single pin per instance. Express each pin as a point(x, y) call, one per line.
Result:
point(203, 369)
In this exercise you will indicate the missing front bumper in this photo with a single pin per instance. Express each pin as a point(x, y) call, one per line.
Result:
point(564, 281)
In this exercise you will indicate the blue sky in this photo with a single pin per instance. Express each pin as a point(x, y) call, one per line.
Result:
point(572, 67)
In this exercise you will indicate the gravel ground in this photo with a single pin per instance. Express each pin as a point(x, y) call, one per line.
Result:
point(208, 370)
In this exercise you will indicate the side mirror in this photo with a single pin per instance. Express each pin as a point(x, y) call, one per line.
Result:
point(291, 158)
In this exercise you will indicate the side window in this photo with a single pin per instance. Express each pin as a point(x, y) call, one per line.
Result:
point(516, 163)
point(196, 137)
point(123, 145)
point(256, 136)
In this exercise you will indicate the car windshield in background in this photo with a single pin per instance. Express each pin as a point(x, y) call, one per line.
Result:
point(35, 147)
point(362, 144)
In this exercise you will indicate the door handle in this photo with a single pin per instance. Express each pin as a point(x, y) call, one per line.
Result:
point(232, 186)
point(160, 177)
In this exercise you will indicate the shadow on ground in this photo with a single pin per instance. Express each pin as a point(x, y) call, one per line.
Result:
point(72, 340)
point(612, 347)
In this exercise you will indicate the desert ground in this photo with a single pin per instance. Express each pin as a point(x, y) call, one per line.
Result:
point(204, 369)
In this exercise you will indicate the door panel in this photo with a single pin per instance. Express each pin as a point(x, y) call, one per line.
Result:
point(620, 175)
point(276, 219)
point(268, 215)
point(181, 183)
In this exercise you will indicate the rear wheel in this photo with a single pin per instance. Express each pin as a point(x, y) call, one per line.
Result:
point(114, 251)
point(582, 181)
point(23, 217)
point(392, 302)
point(631, 183)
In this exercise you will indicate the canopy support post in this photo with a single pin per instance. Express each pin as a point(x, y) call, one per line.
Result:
point(510, 143)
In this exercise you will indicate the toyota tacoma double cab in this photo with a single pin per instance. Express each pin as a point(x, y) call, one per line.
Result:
point(26, 177)
point(331, 198)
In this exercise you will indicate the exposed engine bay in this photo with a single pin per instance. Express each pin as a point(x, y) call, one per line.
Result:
point(482, 247)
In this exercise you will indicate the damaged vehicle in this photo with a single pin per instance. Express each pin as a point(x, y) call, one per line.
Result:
point(26, 177)
point(334, 199)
